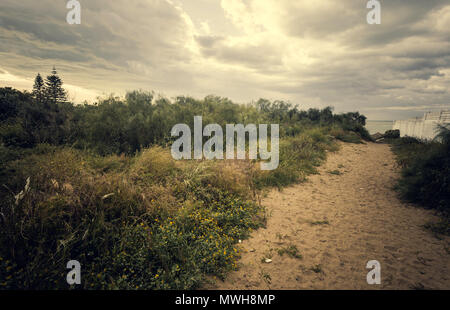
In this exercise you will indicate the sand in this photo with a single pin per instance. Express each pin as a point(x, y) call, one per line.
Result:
point(340, 222)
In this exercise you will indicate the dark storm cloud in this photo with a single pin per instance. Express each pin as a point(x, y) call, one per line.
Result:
point(116, 31)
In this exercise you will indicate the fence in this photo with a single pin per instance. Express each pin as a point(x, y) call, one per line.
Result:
point(422, 127)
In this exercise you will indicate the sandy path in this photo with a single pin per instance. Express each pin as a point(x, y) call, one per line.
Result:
point(366, 221)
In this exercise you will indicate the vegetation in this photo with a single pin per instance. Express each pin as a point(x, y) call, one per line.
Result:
point(324, 222)
point(426, 173)
point(317, 269)
point(291, 251)
point(144, 222)
point(335, 172)
point(96, 183)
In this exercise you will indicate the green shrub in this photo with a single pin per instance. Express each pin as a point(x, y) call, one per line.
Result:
point(392, 134)
point(426, 178)
point(425, 171)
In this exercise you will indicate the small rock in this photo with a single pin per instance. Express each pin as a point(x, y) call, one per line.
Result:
point(267, 260)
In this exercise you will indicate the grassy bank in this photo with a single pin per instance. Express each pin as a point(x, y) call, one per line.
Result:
point(426, 174)
point(142, 222)
point(97, 183)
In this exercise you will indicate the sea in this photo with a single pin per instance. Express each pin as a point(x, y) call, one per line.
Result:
point(378, 126)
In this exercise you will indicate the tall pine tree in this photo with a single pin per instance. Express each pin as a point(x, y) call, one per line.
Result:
point(38, 88)
point(54, 92)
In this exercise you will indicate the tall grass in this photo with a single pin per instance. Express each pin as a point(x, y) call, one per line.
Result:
point(143, 222)
point(299, 156)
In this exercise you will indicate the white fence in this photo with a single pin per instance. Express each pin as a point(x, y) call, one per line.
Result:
point(422, 127)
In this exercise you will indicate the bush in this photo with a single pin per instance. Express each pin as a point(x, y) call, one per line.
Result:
point(426, 180)
point(392, 134)
point(425, 171)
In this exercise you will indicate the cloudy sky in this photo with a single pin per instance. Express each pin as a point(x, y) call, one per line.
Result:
point(312, 53)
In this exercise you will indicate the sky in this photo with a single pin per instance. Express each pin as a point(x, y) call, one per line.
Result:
point(311, 53)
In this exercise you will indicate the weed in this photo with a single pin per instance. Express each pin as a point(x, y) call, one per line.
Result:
point(291, 251)
point(324, 222)
point(266, 277)
point(335, 172)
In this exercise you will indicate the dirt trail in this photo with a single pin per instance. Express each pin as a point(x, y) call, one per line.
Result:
point(340, 222)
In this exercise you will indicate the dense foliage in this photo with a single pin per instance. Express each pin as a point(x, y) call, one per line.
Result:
point(116, 125)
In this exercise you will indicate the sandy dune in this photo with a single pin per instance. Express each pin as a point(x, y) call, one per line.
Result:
point(340, 222)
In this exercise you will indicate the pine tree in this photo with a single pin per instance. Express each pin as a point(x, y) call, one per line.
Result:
point(38, 88)
point(53, 88)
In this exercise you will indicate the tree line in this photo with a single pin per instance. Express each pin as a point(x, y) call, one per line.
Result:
point(140, 118)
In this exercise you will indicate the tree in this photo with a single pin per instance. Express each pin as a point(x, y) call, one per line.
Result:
point(326, 115)
point(38, 88)
point(54, 92)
